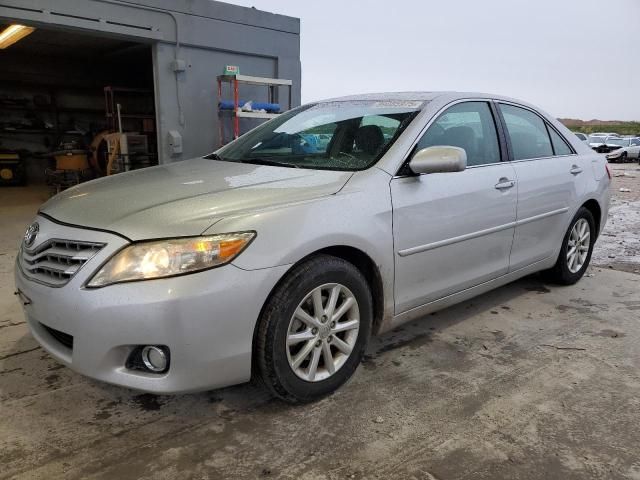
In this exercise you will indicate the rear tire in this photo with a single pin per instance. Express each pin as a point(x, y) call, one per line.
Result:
point(305, 348)
point(575, 253)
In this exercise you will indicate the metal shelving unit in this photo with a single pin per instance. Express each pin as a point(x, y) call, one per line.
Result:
point(236, 113)
point(117, 95)
point(51, 109)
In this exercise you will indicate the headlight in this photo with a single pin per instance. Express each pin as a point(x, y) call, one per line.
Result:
point(166, 258)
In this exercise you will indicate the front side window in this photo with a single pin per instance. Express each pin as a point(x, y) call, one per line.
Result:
point(635, 142)
point(527, 133)
point(560, 147)
point(468, 125)
point(341, 135)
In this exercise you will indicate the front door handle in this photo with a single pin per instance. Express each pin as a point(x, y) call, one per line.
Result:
point(575, 170)
point(505, 184)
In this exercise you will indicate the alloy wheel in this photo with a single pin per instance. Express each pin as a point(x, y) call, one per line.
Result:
point(578, 245)
point(323, 332)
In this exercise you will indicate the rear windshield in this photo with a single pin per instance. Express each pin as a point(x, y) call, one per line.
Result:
point(341, 135)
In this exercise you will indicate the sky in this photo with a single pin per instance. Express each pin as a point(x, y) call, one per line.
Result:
point(572, 58)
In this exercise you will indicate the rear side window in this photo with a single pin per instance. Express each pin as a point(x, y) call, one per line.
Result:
point(560, 147)
point(468, 125)
point(527, 133)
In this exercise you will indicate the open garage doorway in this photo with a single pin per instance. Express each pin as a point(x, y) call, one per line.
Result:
point(73, 107)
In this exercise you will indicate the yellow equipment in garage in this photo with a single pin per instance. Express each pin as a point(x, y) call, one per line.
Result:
point(11, 169)
point(72, 167)
point(75, 160)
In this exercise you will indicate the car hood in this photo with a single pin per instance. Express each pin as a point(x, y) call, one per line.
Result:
point(186, 198)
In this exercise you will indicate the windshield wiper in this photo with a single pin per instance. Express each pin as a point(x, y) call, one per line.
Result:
point(256, 161)
point(213, 156)
point(271, 163)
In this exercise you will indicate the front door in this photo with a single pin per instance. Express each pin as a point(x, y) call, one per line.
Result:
point(454, 230)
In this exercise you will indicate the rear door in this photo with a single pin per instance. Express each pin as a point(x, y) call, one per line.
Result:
point(454, 230)
point(551, 178)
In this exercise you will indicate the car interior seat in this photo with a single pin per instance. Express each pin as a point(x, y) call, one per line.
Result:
point(463, 137)
point(369, 139)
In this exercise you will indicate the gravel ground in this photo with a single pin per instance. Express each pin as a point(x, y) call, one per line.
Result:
point(619, 245)
point(530, 381)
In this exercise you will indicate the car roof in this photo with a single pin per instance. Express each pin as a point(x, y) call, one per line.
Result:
point(419, 96)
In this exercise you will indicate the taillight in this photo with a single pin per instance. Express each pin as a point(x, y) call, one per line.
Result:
point(606, 165)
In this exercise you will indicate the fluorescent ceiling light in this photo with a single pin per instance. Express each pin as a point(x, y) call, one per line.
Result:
point(12, 34)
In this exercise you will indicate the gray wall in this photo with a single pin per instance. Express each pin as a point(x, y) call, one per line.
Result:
point(211, 34)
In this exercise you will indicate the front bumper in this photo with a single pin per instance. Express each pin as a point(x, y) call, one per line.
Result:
point(207, 320)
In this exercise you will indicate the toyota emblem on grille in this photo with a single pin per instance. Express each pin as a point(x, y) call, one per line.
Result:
point(31, 234)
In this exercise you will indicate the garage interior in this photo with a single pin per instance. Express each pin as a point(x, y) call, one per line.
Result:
point(58, 90)
point(96, 88)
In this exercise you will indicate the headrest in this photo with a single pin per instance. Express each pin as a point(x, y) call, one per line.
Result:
point(369, 139)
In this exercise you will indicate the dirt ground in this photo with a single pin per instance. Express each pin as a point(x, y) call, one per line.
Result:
point(530, 381)
point(619, 246)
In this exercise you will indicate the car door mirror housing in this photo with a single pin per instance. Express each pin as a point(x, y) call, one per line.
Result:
point(439, 159)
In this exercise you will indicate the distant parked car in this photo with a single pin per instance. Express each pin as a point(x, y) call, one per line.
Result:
point(581, 136)
point(597, 142)
point(629, 149)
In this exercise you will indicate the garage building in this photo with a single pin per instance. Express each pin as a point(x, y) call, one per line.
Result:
point(147, 67)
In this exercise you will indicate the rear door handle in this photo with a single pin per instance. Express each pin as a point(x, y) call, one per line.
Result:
point(505, 184)
point(575, 170)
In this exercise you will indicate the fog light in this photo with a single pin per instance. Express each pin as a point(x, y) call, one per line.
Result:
point(154, 358)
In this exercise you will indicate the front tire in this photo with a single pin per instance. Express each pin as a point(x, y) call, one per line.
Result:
point(313, 330)
point(575, 253)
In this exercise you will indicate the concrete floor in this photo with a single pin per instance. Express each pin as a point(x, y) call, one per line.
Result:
point(530, 381)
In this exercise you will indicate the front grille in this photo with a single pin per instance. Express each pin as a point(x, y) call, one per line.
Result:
point(64, 338)
point(55, 262)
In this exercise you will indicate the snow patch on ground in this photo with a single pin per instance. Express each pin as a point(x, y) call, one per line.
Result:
point(619, 243)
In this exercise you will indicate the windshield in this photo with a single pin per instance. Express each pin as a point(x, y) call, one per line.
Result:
point(596, 139)
point(621, 142)
point(342, 135)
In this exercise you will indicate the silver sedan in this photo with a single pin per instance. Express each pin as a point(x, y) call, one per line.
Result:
point(279, 255)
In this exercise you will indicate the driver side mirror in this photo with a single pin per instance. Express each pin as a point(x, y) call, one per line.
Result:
point(439, 159)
